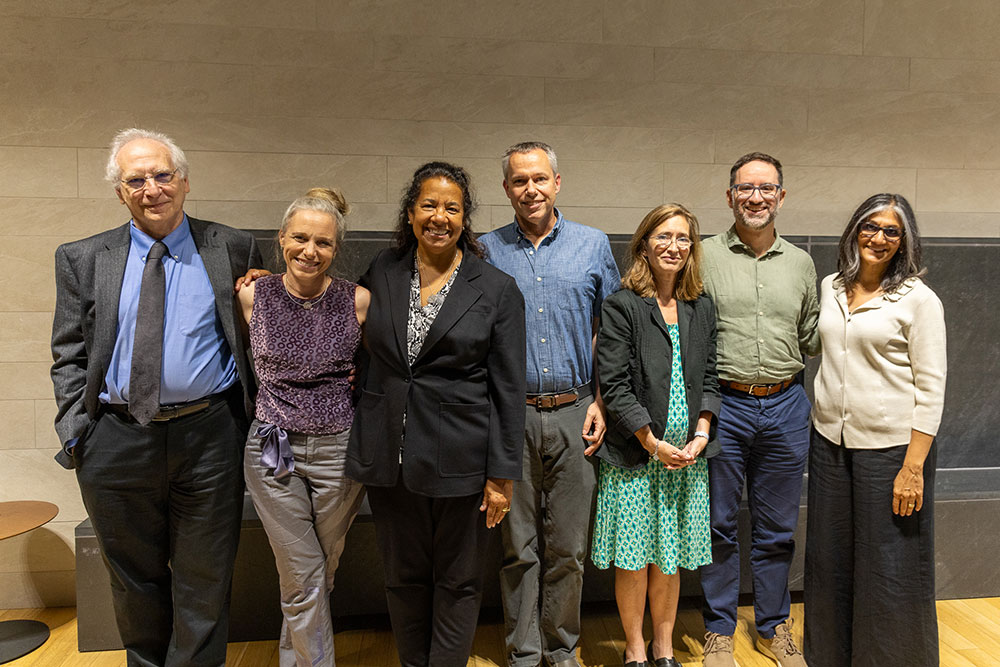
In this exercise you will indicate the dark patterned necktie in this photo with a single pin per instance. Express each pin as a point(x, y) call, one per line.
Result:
point(147, 347)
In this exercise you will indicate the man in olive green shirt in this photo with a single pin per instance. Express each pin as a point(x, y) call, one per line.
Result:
point(764, 289)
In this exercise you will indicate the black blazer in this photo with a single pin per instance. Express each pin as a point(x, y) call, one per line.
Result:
point(89, 275)
point(634, 359)
point(464, 396)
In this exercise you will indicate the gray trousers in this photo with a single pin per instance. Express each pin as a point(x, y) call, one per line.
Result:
point(546, 538)
point(306, 516)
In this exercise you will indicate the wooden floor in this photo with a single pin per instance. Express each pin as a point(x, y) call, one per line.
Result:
point(969, 633)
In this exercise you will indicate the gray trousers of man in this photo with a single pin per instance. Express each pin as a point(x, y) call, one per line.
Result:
point(306, 516)
point(546, 538)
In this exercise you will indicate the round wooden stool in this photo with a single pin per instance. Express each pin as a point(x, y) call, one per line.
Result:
point(21, 637)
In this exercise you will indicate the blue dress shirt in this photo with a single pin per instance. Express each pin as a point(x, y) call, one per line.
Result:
point(564, 282)
point(197, 360)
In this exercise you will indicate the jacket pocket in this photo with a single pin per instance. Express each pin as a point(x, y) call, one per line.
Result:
point(369, 429)
point(463, 437)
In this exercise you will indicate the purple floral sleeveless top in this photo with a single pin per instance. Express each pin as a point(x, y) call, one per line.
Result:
point(304, 356)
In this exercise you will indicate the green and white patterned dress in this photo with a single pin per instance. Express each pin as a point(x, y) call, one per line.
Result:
point(654, 515)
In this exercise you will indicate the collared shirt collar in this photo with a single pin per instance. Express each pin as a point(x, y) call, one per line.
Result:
point(733, 241)
point(553, 233)
point(179, 242)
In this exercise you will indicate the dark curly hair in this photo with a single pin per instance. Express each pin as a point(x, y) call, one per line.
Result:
point(403, 239)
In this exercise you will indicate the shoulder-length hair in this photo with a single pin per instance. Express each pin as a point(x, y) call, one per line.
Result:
point(639, 278)
point(904, 264)
point(403, 239)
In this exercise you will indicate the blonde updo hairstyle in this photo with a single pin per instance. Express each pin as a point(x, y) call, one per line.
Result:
point(324, 200)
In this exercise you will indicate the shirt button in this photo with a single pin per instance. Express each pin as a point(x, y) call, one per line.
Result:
point(760, 312)
point(761, 340)
point(539, 279)
point(177, 257)
point(545, 370)
point(541, 310)
point(760, 284)
point(542, 339)
point(531, 252)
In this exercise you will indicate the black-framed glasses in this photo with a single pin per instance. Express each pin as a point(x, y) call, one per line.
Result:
point(139, 182)
point(766, 190)
point(890, 233)
point(664, 241)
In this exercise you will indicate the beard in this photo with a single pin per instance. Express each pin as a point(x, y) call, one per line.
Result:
point(758, 222)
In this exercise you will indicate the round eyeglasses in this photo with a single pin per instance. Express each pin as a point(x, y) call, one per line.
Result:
point(664, 241)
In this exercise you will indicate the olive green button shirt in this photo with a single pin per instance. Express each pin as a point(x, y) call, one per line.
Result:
point(767, 308)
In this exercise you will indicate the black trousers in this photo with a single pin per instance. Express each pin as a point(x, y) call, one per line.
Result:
point(166, 502)
point(433, 553)
point(869, 574)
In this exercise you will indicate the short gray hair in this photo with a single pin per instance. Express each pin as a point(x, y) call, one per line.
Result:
point(113, 173)
point(527, 147)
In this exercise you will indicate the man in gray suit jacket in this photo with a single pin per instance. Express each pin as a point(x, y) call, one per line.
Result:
point(162, 485)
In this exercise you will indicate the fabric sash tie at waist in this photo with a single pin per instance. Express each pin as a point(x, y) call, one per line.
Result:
point(275, 450)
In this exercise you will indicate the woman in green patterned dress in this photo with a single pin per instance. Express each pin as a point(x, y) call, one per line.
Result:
point(656, 364)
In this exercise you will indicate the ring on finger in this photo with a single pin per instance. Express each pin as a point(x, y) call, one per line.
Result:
point(505, 510)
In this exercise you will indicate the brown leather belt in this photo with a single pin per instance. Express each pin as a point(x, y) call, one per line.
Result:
point(552, 401)
point(758, 390)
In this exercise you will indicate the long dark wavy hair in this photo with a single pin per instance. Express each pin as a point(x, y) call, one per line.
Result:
point(403, 239)
point(904, 264)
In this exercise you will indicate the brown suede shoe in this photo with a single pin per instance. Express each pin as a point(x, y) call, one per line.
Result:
point(781, 648)
point(719, 650)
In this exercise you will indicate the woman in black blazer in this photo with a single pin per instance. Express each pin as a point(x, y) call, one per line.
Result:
point(656, 364)
point(438, 432)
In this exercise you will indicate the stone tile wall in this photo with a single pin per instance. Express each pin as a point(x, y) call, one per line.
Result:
point(645, 101)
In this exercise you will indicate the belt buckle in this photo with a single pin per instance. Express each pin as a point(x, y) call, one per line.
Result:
point(165, 414)
point(754, 386)
point(545, 402)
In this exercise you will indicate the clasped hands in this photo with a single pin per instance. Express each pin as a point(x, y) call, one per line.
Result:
point(674, 458)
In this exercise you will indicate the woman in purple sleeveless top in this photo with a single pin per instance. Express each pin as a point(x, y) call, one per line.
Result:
point(304, 329)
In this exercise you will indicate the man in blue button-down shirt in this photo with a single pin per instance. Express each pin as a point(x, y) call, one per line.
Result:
point(164, 496)
point(565, 271)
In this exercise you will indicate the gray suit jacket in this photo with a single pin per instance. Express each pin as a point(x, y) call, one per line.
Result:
point(634, 358)
point(89, 275)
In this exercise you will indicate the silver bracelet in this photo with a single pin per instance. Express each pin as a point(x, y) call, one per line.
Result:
point(656, 450)
point(702, 434)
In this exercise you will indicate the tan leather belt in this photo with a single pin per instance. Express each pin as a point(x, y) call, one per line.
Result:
point(168, 412)
point(552, 401)
point(758, 390)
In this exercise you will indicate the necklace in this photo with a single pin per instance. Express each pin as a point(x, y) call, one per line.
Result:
point(306, 304)
point(443, 278)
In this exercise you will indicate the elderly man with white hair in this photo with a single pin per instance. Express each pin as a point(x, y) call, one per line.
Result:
point(152, 384)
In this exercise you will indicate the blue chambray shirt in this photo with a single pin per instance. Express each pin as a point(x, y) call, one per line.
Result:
point(197, 360)
point(564, 282)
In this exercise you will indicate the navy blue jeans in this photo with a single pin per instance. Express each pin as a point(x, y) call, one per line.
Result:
point(765, 441)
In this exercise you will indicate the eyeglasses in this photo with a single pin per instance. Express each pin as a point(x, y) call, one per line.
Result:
point(664, 241)
point(870, 229)
point(139, 182)
point(766, 190)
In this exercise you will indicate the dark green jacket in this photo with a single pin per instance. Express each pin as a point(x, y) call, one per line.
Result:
point(634, 358)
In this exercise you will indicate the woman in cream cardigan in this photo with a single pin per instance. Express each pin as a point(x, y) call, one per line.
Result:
point(869, 581)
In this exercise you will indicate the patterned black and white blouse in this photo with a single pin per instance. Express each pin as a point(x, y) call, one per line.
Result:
point(422, 317)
